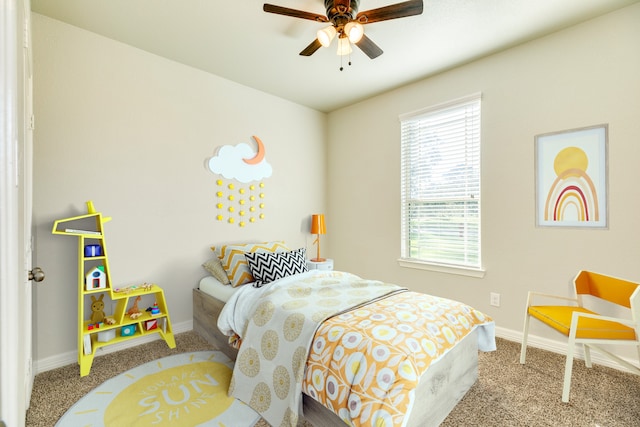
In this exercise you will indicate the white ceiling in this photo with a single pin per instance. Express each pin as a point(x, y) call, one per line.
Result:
point(236, 40)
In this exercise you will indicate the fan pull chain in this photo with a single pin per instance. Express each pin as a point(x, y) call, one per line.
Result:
point(349, 63)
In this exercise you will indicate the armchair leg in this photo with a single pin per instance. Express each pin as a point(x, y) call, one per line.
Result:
point(568, 367)
point(587, 355)
point(525, 334)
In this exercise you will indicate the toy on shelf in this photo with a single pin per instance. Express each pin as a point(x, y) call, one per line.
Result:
point(92, 250)
point(144, 287)
point(128, 331)
point(96, 278)
point(151, 324)
point(109, 320)
point(106, 336)
point(134, 312)
point(97, 309)
point(154, 309)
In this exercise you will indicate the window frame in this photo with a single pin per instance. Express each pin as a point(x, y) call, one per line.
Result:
point(463, 268)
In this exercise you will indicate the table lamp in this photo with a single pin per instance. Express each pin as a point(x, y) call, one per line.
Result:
point(318, 228)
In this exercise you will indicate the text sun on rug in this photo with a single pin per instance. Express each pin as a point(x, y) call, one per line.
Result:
point(188, 389)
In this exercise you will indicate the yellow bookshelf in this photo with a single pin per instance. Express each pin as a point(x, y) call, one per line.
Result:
point(95, 286)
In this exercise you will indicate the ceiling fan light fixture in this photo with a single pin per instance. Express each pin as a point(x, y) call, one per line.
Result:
point(344, 47)
point(354, 31)
point(348, 23)
point(326, 35)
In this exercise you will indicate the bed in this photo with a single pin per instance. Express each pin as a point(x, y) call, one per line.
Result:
point(438, 389)
point(343, 379)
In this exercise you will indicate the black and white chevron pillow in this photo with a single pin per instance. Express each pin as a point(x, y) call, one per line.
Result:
point(269, 266)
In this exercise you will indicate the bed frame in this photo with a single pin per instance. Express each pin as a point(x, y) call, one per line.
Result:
point(439, 391)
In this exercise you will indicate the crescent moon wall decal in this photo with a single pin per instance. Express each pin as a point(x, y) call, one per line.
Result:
point(259, 154)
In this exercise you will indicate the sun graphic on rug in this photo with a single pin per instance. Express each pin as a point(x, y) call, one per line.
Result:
point(185, 389)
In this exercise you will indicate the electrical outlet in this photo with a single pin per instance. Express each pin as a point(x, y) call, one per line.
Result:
point(494, 299)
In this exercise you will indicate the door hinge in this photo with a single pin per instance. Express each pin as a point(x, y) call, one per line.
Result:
point(25, 35)
point(32, 122)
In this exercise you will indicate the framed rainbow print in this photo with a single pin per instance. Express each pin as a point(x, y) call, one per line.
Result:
point(571, 178)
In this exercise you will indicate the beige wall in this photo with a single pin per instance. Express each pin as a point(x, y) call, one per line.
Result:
point(585, 75)
point(131, 131)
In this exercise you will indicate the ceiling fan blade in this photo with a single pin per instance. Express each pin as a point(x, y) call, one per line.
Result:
point(271, 8)
point(394, 11)
point(311, 49)
point(371, 49)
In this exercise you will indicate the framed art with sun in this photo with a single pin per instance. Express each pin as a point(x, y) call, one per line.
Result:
point(571, 178)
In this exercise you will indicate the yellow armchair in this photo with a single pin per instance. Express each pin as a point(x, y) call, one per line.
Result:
point(586, 327)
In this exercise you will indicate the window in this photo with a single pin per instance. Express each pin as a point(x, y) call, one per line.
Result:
point(441, 184)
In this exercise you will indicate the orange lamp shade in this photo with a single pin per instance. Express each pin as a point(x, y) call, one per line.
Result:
point(317, 224)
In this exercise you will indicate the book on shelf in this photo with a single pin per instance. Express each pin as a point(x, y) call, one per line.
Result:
point(74, 230)
point(87, 343)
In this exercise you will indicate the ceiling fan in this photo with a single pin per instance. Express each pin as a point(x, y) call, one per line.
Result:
point(347, 23)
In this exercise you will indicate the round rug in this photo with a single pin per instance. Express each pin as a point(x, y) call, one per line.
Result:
point(187, 389)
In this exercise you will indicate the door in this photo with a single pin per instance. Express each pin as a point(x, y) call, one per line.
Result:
point(25, 196)
point(15, 205)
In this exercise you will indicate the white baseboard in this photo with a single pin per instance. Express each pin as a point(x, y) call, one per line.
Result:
point(553, 346)
point(64, 359)
point(561, 348)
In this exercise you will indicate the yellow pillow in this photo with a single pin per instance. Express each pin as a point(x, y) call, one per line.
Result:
point(235, 264)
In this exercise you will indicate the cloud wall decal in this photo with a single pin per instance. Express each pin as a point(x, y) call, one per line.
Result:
point(231, 162)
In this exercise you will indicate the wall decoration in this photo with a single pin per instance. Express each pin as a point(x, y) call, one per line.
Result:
point(240, 195)
point(571, 178)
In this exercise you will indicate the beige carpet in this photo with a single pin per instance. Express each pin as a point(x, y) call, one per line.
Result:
point(506, 394)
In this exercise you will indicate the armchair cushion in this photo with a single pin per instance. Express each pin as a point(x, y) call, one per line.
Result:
point(559, 318)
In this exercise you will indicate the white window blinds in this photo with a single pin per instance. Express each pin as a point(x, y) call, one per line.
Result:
point(441, 184)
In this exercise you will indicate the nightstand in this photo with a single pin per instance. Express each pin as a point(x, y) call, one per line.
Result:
point(321, 265)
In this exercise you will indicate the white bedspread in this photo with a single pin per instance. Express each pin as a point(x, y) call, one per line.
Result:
point(237, 309)
point(284, 316)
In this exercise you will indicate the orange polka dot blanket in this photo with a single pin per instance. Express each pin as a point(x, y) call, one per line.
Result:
point(365, 364)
